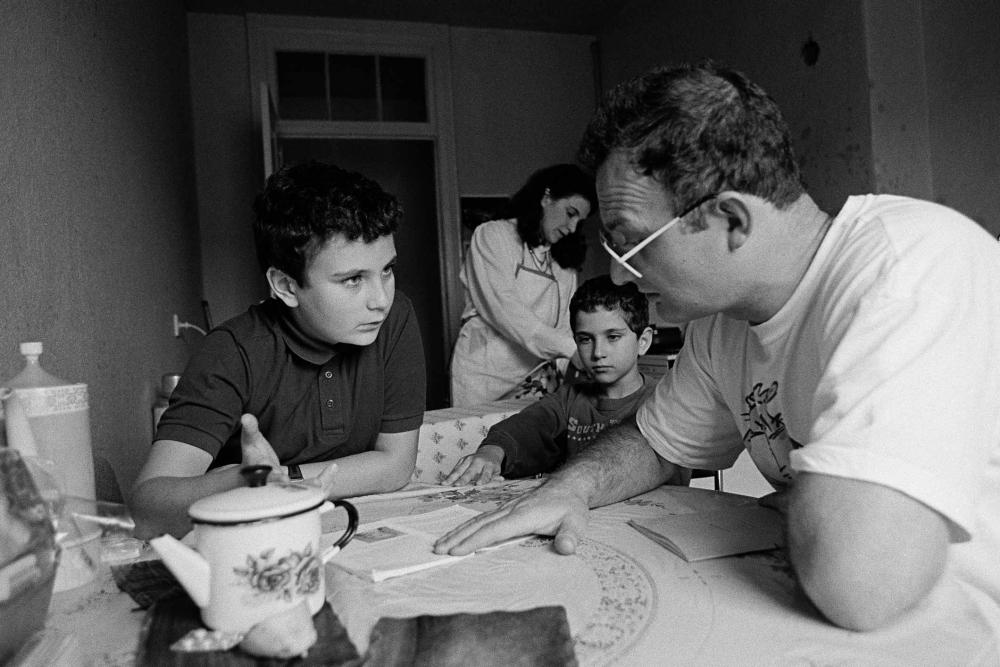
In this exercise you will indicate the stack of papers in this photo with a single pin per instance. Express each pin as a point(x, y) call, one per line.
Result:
point(401, 545)
point(705, 535)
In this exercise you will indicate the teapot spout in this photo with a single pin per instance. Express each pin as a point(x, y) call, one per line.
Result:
point(190, 568)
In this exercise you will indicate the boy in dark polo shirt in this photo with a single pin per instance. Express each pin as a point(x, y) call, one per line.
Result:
point(329, 368)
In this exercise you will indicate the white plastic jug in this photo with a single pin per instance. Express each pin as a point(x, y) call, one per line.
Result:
point(59, 416)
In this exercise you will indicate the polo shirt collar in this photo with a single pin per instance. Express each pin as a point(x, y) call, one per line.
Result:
point(298, 341)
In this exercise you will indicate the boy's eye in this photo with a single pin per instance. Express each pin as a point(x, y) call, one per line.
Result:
point(352, 281)
point(614, 336)
point(389, 270)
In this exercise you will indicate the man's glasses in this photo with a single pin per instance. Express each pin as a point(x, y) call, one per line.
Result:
point(620, 255)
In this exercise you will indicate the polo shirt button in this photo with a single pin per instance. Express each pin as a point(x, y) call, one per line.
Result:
point(329, 403)
point(328, 375)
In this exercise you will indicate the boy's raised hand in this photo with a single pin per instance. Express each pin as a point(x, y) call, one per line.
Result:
point(478, 468)
point(257, 450)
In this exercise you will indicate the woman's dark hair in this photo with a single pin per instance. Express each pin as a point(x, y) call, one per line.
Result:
point(602, 292)
point(698, 129)
point(561, 181)
point(303, 205)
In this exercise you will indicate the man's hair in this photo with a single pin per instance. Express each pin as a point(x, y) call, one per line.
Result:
point(561, 181)
point(602, 292)
point(303, 205)
point(697, 129)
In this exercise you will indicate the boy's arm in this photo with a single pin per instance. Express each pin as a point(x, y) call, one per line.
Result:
point(386, 468)
point(172, 478)
point(529, 439)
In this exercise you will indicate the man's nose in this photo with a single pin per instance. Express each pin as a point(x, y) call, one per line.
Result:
point(620, 275)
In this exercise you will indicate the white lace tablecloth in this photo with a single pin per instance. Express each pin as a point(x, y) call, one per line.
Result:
point(628, 601)
point(631, 602)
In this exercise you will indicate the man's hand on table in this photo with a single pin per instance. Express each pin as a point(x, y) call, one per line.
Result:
point(548, 510)
point(480, 467)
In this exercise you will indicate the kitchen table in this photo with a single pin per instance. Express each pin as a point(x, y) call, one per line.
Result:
point(628, 600)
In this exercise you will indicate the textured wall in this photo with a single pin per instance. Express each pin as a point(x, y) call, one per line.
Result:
point(522, 101)
point(227, 162)
point(826, 105)
point(99, 238)
point(962, 59)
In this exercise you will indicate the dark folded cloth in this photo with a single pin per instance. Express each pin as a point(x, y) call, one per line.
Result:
point(171, 618)
point(146, 581)
point(537, 636)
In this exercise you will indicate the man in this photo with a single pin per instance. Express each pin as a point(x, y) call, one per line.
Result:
point(855, 357)
point(329, 368)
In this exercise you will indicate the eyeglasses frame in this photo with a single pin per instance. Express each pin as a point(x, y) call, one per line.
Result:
point(623, 258)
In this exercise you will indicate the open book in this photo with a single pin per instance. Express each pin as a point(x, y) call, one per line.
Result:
point(704, 535)
point(400, 545)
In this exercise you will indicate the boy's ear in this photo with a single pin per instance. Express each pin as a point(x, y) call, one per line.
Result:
point(645, 340)
point(283, 286)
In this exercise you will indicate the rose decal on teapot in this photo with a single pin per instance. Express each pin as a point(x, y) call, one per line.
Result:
point(297, 573)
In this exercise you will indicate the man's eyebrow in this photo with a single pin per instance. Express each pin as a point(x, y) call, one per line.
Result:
point(612, 224)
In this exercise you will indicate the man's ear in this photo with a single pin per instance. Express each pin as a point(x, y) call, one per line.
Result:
point(645, 340)
point(732, 207)
point(283, 286)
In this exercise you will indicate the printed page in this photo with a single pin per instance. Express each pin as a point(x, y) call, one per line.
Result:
point(401, 545)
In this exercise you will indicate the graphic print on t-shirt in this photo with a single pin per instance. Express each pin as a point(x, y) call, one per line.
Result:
point(579, 434)
point(765, 430)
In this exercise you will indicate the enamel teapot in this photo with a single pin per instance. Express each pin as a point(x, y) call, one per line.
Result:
point(257, 553)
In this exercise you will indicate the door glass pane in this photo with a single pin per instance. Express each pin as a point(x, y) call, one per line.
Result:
point(352, 87)
point(403, 89)
point(301, 85)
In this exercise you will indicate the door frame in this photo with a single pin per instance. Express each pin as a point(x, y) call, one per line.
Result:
point(269, 33)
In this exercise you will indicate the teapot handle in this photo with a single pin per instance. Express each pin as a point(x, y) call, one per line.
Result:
point(352, 526)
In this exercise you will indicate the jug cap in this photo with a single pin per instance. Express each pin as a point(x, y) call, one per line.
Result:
point(168, 382)
point(32, 348)
point(248, 504)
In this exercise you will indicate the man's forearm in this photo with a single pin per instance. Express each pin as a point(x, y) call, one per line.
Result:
point(618, 465)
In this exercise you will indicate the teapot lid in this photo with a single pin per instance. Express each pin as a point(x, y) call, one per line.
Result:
point(256, 502)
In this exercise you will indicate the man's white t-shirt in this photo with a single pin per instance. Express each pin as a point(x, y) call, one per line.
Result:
point(883, 366)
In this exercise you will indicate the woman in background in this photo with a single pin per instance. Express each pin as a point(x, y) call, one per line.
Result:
point(519, 275)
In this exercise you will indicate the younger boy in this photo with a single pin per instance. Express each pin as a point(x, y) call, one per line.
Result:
point(611, 326)
point(329, 368)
